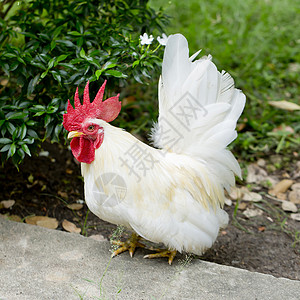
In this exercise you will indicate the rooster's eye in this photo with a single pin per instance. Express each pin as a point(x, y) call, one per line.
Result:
point(91, 128)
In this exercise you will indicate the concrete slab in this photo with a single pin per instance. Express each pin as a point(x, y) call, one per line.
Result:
point(38, 263)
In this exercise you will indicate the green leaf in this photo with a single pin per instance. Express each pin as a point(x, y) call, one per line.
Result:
point(57, 131)
point(57, 31)
point(10, 127)
point(12, 150)
point(5, 148)
point(135, 63)
point(62, 57)
point(47, 120)
point(51, 62)
point(29, 35)
point(44, 73)
point(15, 134)
point(10, 55)
point(66, 43)
point(109, 65)
point(21, 60)
point(17, 115)
point(23, 131)
point(30, 140)
point(51, 109)
point(5, 141)
point(82, 53)
point(39, 113)
point(26, 149)
point(98, 73)
point(37, 108)
point(115, 73)
point(75, 33)
point(30, 123)
point(80, 41)
point(56, 76)
point(32, 84)
point(53, 45)
point(49, 130)
point(21, 153)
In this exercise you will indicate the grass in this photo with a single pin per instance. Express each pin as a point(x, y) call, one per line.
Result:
point(257, 42)
point(116, 235)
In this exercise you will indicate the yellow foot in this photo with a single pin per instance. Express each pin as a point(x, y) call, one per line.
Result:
point(163, 253)
point(129, 245)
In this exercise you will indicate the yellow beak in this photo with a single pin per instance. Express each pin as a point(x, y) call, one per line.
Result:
point(73, 134)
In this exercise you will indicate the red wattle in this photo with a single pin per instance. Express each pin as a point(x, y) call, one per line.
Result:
point(83, 149)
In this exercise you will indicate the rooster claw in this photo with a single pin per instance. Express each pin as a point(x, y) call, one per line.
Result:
point(163, 253)
point(130, 245)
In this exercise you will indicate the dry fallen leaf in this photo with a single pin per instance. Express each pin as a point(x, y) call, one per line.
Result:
point(241, 126)
point(63, 194)
point(261, 162)
point(281, 187)
point(228, 202)
point(4, 82)
point(237, 193)
point(15, 218)
point(242, 206)
point(98, 237)
point(261, 228)
point(50, 223)
point(7, 203)
point(285, 105)
point(281, 196)
point(295, 186)
point(75, 206)
point(42, 221)
point(70, 227)
point(294, 196)
point(252, 212)
point(295, 216)
point(286, 175)
point(251, 196)
point(284, 128)
point(69, 171)
point(289, 206)
point(256, 174)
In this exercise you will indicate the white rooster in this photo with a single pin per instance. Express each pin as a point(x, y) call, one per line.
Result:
point(174, 193)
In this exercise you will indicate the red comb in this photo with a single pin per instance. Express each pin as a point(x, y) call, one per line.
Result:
point(107, 110)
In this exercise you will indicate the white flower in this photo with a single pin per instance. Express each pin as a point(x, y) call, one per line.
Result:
point(145, 40)
point(162, 40)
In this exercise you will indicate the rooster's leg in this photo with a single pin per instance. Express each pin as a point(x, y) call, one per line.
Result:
point(129, 245)
point(163, 253)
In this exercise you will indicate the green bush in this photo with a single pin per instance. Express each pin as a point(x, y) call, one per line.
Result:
point(48, 47)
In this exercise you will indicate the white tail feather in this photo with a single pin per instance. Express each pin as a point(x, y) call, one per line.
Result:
point(198, 110)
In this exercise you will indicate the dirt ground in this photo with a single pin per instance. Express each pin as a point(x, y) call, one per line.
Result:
point(267, 243)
